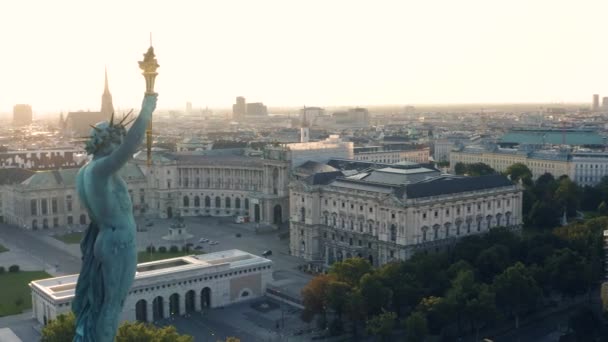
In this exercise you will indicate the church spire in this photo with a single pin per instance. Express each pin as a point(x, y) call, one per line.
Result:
point(107, 108)
point(106, 89)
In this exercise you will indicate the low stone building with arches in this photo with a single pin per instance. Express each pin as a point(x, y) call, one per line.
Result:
point(392, 214)
point(171, 287)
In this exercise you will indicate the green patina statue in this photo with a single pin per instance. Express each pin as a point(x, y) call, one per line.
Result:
point(109, 254)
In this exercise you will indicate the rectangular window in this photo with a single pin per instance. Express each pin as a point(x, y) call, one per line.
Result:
point(44, 206)
point(70, 220)
point(423, 215)
point(54, 205)
point(33, 207)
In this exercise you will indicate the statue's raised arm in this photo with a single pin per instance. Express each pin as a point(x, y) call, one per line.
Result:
point(121, 150)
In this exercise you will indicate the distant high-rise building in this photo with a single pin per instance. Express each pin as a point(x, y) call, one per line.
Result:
point(605, 102)
point(310, 115)
point(239, 109)
point(188, 108)
point(596, 103)
point(256, 109)
point(22, 114)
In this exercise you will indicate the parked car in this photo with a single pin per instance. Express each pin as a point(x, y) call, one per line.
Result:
point(199, 247)
point(149, 224)
point(267, 253)
point(213, 243)
point(241, 219)
point(203, 240)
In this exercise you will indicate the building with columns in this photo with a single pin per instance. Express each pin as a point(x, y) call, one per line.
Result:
point(48, 199)
point(171, 287)
point(385, 215)
point(217, 183)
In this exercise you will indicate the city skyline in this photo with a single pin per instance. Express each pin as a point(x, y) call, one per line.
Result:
point(294, 54)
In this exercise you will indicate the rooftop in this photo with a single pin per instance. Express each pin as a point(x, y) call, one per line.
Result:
point(61, 288)
point(553, 137)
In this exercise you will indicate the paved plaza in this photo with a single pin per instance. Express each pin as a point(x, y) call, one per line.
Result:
point(35, 250)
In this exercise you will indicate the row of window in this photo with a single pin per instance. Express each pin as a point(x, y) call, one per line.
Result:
point(468, 207)
point(218, 202)
point(70, 221)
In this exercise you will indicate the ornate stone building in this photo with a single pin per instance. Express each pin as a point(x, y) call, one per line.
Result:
point(385, 217)
point(48, 199)
point(218, 183)
point(168, 288)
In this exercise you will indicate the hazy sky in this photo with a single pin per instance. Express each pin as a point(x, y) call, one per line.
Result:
point(305, 52)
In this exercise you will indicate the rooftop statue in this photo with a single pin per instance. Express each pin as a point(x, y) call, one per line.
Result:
point(109, 255)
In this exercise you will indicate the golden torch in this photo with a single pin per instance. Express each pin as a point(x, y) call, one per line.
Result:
point(149, 66)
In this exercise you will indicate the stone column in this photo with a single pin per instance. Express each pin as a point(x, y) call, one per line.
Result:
point(150, 310)
point(197, 301)
point(166, 308)
point(182, 305)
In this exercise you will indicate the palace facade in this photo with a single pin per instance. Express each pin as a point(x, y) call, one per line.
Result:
point(391, 213)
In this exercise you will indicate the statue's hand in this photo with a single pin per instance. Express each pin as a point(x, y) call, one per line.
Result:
point(149, 104)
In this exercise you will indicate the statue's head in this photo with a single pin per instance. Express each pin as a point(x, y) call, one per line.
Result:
point(105, 137)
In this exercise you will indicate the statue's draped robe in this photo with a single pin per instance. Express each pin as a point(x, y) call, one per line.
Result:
point(89, 289)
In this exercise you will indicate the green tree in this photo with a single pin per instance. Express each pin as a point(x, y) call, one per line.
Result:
point(568, 272)
point(63, 328)
point(567, 195)
point(519, 171)
point(381, 325)
point(438, 313)
point(492, 261)
point(138, 331)
point(544, 215)
point(376, 296)
point(416, 327)
point(480, 169)
point(481, 308)
point(460, 168)
point(516, 290)
point(404, 285)
point(60, 329)
point(337, 296)
point(350, 270)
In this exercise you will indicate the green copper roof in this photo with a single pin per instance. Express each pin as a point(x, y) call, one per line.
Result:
point(554, 137)
point(67, 177)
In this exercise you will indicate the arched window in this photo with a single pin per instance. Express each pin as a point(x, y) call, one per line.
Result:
point(302, 214)
point(436, 232)
point(489, 220)
point(447, 226)
point(498, 220)
point(246, 203)
point(197, 201)
point(83, 219)
point(508, 218)
point(218, 202)
point(458, 224)
point(228, 204)
point(207, 202)
point(424, 230)
point(186, 201)
point(34, 224)
point(393, 233)
point(237, 203)
point(326, 218)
